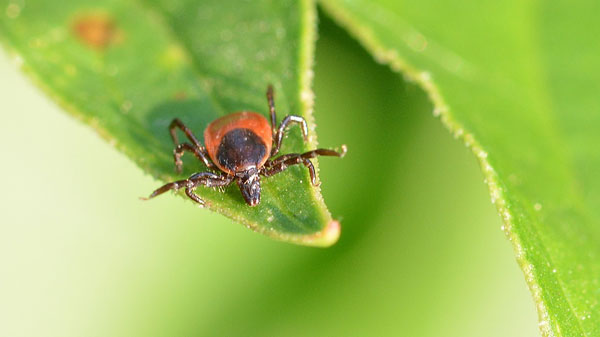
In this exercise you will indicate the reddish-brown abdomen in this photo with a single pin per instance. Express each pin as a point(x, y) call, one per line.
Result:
point(238, 141)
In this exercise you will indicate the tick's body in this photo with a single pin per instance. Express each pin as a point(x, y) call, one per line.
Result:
point(239, 141)
point(241, 146)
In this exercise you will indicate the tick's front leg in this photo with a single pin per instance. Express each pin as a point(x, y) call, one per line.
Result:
point(208, 179)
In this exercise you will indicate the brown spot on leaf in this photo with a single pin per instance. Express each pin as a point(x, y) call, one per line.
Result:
point(96, 30)
point(180, 96)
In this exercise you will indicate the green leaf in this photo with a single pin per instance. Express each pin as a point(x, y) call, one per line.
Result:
point(128, 68)
point(518, 82)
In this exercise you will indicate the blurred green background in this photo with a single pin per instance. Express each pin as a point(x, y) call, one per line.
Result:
point(421, 251)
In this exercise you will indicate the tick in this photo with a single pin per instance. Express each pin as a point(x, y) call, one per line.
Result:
point(242, 147)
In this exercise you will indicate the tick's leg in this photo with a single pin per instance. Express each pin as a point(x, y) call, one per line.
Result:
point(278, 132)
point(166, 187)
point(272, 108)
point(176, 123)
point(278, 136)
point(308, 155)
point(208, 179)
point(296, 159)
point(200, 151)
point(279, 164)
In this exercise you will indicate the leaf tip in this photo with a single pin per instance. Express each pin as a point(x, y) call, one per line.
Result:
point(325, 238)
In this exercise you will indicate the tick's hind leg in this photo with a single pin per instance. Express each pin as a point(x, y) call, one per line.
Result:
point(279, 164)
point(178, 124)
point(208, 179)
point(200, 153)
point(271, 101)
point(287, 121)
point(197, 148)
point(290, 119)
